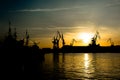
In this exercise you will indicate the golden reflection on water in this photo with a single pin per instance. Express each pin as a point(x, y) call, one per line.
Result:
point(86, 61)
point(82, 65)
point(89, 66)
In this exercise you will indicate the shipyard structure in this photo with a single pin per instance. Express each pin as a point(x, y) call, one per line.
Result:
point(93, 47)
point(12, 43)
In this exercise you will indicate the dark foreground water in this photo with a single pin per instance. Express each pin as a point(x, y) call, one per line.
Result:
point(81, 66)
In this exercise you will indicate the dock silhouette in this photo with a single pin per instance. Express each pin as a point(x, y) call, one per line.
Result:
point(18, 58)
point(93, 47)
point(12, 43)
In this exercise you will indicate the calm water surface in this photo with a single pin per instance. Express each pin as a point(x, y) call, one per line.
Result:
point(85, 66)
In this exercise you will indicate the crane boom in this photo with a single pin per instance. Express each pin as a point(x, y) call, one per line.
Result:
point(56, 40)
point(94, 39)
point(72, 42)
point(111, 42)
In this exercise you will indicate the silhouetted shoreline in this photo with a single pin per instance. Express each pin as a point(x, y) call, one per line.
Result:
point(18, 58)
point(84, 49)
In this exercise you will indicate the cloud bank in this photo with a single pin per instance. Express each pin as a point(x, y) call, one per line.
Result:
point(43, 10)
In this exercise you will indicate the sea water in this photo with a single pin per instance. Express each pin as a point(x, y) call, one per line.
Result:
point(81, 66)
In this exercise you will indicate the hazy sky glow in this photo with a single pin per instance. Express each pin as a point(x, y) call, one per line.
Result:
point(43, 18)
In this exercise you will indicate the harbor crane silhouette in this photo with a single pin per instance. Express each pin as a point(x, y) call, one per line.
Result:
point(56, 40)
point(94, 39)
point(72, 42)
point(111, 42)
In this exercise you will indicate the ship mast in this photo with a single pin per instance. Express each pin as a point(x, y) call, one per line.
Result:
point(9, 32)
point(27, 38)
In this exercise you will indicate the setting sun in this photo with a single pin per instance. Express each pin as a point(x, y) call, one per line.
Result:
point(85, 37)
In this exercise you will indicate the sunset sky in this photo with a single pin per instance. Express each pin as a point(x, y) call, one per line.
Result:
point(78, 19)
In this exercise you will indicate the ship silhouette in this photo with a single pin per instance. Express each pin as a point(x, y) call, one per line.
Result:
point(11, 43)
point(17, 57)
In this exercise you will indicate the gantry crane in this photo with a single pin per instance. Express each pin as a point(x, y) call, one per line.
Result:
point(63, 41)
point(9, 32)
point(56, 40)
point(35, 44)
point(111, 42)
point(72, 42)
point(94, 39)
point(27, 38)
point(15, 34)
